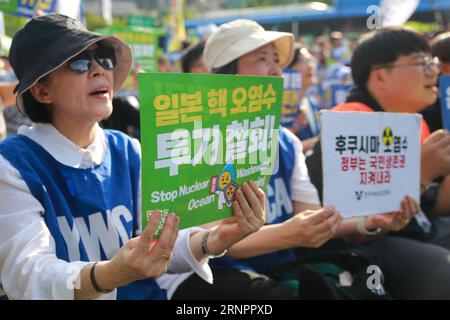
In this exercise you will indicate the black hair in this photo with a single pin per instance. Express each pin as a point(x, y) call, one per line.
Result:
point(440, 47)
point(35, 110)
point(296, 57)
point(191, 55)
point(125, 116)
point(230, 68)
point(382, 47)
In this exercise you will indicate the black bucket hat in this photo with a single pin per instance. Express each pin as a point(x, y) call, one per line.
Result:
point(45, 43)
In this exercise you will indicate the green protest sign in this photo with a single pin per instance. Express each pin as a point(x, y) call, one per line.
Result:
point(141, 21)
point(202, 136)
point(143, 43)
point(9, 6)
point(27, 8)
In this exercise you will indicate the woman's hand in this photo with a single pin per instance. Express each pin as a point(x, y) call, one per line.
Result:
point(143, 257)
point(395, 221)
point(312, 228)
point(248, 210)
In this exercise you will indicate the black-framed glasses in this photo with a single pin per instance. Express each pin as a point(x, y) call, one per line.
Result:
point(430, 65)
point(104, 56)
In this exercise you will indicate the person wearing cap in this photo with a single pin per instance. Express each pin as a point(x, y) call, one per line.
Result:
point(294, 215)
point(69, 217)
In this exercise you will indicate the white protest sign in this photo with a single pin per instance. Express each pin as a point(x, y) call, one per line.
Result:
point(371, 160)
point(397, 12)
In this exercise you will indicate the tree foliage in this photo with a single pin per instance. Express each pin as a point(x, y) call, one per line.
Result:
point(94, 21)
point(13, 23)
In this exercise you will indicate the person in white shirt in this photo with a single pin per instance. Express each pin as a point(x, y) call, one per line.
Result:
point(70, 205)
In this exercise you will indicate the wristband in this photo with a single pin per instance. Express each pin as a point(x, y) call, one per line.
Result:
point(361, 227)
point(205, 250)
point(94, 282)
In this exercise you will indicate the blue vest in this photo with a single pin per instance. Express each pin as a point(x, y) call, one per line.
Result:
point(90, 212)
point(279, 208)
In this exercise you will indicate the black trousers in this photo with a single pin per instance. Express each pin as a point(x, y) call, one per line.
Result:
point(414, 269)
point(232, 284)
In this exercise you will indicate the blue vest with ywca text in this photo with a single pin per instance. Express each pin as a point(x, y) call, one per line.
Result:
point(279, 208)
point(90, 212)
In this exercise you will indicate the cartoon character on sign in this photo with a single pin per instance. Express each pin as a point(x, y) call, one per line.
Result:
point(388, 137)
point(224, 185)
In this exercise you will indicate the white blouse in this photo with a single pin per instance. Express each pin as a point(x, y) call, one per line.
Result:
point(29, 268)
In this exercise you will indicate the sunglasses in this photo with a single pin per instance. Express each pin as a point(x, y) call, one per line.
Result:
point(82, 63)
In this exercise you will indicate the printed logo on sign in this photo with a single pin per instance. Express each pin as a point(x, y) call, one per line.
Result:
point(358, 194)
point(379, 193)
point(388, 137)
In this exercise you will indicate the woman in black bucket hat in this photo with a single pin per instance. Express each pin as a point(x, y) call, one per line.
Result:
point(70, 205)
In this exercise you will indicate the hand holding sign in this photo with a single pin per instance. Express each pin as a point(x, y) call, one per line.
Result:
point(248, 210)
point(367, 158)
point(395, 221)
point(202, 136)
point(143, 257)
point(312, 228)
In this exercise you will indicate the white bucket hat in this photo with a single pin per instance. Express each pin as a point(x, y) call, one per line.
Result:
point(239, 37)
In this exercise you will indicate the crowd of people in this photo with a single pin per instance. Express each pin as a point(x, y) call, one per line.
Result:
point(71, 197)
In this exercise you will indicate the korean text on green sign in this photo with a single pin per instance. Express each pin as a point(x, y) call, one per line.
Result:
point(202, 136)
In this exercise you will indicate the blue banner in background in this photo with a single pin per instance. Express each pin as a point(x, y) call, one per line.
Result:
point(339, 93)
point(28, 8)
point(444, 94)
point(291, 97)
